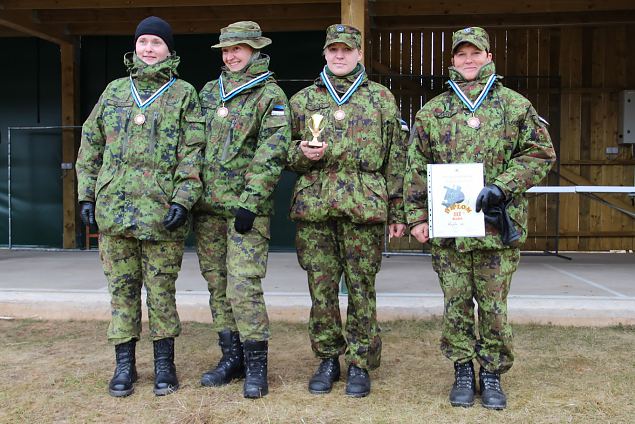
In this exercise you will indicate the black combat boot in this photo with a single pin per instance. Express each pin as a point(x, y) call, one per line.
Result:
point(256, 385)
point(464, 387)
point(231, 364)
point(165, 381)
point(492, 395)
point(125, 374)
point(357, 382)
point(326, 374)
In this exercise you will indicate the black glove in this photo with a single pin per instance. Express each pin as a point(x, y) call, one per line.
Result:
point(176, 217)
point(498, 217)
point(489, 196)
point(87, 213)
point(244, 221)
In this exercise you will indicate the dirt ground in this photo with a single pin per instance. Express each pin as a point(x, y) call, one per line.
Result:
point(58, 371)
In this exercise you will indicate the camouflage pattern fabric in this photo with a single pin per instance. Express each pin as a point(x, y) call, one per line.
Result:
point(360, 176)
point(341, 204)
point(246, 150)
point(130, 264)
point(512, 143)
point(133, 172)
point(326, 250)
point(244, 158)
point(340, 33)
point(233, 265)
point(515, 148)
point(484, 276)
point(473, 35)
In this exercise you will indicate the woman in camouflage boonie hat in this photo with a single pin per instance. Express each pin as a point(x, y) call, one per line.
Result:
point(247, 131)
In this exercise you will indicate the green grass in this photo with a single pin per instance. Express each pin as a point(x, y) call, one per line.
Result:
point(58, 371)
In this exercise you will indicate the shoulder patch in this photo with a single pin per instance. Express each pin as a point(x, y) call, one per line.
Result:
point(404, 125)
point(278, 110)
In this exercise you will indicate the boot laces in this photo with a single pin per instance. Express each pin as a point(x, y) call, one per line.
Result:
point(491, 382)
point(123, 367)
point(256, 364)
point(326, 367)
point(356, 371)
point(464, 376)
point(163, 367)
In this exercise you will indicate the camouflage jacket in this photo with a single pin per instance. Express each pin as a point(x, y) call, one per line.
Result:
point(511, 142)
point(133, 172)
point(360, 176)
point(247, 149)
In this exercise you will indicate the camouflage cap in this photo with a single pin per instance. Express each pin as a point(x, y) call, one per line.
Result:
point(340, 33)
point(243, 32)
point(473, 35)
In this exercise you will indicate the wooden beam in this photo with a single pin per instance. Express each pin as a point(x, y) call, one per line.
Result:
point(355, 13)
point(70, 117)
point(225, 13)
point(21, 22)
point(577, 179)
point(204, 27)
point(128, 4)
point(503, 21)
point(428, 8)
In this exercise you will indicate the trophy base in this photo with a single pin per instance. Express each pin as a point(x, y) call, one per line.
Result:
point(315, 144)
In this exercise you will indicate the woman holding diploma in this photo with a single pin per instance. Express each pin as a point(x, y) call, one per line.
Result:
point(478, 121)
point(349, 154)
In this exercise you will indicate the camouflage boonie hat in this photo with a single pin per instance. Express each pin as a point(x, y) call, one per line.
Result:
point(473, 35)
point(243, 32)
point(340, 33)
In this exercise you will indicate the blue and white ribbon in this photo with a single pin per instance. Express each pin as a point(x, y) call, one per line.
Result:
point(226, 96)
point(329, 87)
point(472, 106)
point(143, 104)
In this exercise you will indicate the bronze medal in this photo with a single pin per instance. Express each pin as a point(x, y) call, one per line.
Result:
point(222, 111)
point(339, 114)
point(474, 122)
point(139, 119)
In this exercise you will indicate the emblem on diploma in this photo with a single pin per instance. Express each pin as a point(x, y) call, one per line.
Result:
point(316, 126)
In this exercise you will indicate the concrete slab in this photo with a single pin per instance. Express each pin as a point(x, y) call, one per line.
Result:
point(591, 289)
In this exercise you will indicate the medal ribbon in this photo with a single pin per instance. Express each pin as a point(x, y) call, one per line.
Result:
point(144, 104)
point(329, 87)
point(226, 96)
point(475, 105)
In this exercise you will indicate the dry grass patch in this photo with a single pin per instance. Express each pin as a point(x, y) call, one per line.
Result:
point(58, 372)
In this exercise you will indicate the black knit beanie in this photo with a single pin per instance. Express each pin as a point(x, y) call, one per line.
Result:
point(155, 26)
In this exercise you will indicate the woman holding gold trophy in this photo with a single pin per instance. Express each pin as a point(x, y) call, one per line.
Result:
point(349, 153)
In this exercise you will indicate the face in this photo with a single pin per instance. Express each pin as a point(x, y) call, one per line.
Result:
point(237, 57)
point(151, 49)
point(341, 59)
point(469, 59)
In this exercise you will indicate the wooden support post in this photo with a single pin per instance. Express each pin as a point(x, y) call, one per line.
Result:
point(70, 114)
point(355, 13)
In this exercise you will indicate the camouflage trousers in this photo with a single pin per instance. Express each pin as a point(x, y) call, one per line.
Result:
point(233, 265)
point(483, 276)
point(326, 250)
point(130, 264)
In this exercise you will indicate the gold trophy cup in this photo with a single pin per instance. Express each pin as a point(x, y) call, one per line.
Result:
point(316, 126)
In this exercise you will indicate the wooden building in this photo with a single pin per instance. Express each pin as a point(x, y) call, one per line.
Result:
point(571, 58)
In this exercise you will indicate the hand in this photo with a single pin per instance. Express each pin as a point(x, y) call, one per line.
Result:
point(176, 217)
point(396, 230)
point(420, 232)
point(87, 213)
point(244, 221)
point(313, 153)
point(489, 196)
